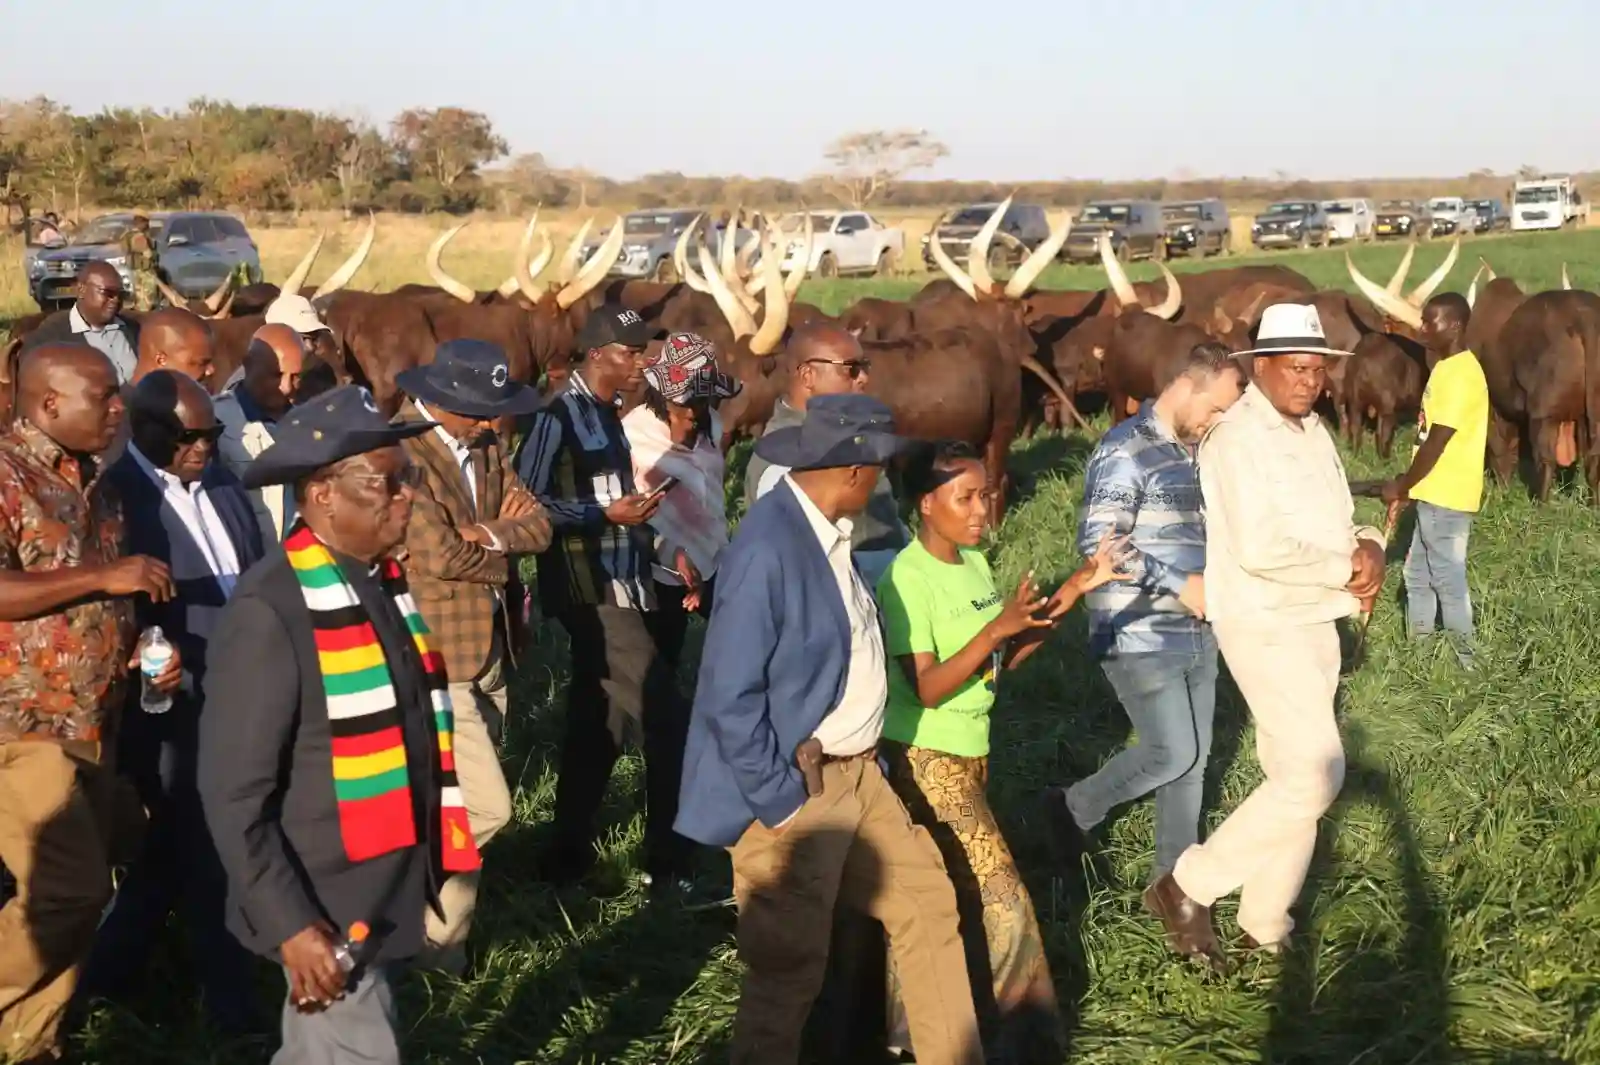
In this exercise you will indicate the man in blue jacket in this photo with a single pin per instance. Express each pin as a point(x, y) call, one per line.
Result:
point(781, 765)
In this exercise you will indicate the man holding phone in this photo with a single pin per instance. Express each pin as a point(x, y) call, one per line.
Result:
point(596, 579)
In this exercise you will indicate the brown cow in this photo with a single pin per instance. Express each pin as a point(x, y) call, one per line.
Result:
point(1384, 381)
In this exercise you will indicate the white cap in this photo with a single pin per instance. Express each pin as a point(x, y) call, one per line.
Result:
point(295, 311)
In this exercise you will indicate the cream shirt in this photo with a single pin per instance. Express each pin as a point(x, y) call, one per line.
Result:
point(1280, 526)
point(854, 725)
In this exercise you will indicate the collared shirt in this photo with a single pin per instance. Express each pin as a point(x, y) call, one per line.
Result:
point(110, 340)
point(247, 431)
point(1280, 521)
point(462, 455)
point(576, 461)
point(189, 511)
point(59, 672)
point(1143, 483)
point(855, 724)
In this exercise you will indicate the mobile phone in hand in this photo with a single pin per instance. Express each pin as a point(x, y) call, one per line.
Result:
point(663, 488)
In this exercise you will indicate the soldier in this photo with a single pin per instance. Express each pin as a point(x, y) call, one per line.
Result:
point(139, 247)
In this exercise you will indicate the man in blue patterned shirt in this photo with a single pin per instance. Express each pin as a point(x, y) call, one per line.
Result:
point(1149, 633)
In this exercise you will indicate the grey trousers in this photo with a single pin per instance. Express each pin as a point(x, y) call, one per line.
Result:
point(360, 1029)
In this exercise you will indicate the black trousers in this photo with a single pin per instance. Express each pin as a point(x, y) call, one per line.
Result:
point(669, 621)
point(616, 663)
point(177, 869)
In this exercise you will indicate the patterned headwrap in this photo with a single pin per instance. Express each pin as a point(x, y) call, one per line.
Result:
point(686, 370)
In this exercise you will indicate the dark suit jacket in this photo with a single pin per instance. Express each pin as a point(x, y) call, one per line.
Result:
point(57, 329)
point(774, 665)
point(266, 773)
point(159, 752)
point(453, 580)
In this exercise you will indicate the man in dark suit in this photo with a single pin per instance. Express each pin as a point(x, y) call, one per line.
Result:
point(781, 765)
point(95, 319)
point(327, 771)
point(469, 518)
point(185, 509)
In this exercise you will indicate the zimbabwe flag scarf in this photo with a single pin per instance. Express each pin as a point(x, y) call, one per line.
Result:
point(370, 778)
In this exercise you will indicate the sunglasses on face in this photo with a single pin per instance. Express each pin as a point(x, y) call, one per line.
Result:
point(853, 367)
point(110, 295)
point(394, 484)
point(190, 437)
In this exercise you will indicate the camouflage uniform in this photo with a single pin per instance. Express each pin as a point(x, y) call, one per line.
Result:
point(140, 251)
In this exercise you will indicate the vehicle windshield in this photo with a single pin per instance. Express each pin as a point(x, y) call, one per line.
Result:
point(1291, 208)
point(655, 223)
point(103, 231)
point(1444, 205)
point(1543, 194)
point(972, 216)
point(1180, 211)
point(1397, 205)
point(1105, 212)
point(796, 223)
point(1481, 205)
point(1339, 208)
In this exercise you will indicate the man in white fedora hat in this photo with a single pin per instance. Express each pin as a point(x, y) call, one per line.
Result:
point(1284, 561)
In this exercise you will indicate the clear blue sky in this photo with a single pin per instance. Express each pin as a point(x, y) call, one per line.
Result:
point(1030, 89)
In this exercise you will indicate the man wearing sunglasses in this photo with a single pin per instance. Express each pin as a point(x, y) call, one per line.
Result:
point(187, 510)
point(95, 319)
point(828, 361)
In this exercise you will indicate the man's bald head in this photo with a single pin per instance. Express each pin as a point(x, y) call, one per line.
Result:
point(100, 293)
point(70, 393)
point(175, 338)
point(272, 367)
point(827, 361)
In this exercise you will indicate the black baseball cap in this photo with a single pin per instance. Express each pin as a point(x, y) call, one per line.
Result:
point(613, 323)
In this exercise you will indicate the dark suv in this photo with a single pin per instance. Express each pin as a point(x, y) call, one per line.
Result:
point(195, 251)
point(1023, 229)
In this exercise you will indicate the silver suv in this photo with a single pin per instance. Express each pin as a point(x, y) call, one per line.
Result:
point(195, 251)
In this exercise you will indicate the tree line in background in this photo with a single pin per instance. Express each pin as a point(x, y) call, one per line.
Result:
point(259, 159)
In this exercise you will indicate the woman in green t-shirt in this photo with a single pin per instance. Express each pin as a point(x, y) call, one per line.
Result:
point(951, 633)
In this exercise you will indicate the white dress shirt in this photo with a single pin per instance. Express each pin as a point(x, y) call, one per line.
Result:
point(463, 455)
point(854, 725)
point(199, 519)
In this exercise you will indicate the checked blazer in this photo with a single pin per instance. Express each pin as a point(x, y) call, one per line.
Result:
point(453, 580)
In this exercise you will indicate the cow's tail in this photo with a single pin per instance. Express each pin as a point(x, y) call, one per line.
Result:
point(1031, 363)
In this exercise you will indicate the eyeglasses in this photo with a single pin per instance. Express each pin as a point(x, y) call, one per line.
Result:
point(853, 367)
point(109, 294)
point(210, 434)
point(393, 483)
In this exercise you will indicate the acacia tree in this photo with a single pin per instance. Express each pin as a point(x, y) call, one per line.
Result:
point(446, 144)
point(868, 162)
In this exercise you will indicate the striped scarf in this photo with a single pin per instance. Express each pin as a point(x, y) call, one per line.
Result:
point(371, 781)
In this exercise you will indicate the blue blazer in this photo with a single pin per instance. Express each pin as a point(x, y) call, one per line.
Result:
point(774, 665)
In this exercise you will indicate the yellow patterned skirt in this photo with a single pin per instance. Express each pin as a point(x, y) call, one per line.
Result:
point(1011, 983)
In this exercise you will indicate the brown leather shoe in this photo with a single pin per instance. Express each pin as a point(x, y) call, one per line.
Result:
point(1188, 924)
point(1248, 942)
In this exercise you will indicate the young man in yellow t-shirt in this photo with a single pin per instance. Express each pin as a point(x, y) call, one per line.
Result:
point(1446, 476)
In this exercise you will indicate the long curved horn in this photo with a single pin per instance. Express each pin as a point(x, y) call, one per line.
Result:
point(1420, 294)
point(297, 277)
point(1472, 289)
point(1487, 267)
point(941, 258)
point(214, 301)
point(1397, 283)
point(1042, 256)
point(738, 318)
point(1114, 273)
point(525, 268)
point(1169, 306)
point(573, 258)
point(226, 309)
point(978, 251)
point(1566, 282)
point(436, 271)
point(770, 335)
point(1394, 306)
point(172, 297)
point(341, 277)
point(594, 271)
point(726, 249)
point(680, 259)
point(802, 263)
point(744, 257)
point(1033, 364)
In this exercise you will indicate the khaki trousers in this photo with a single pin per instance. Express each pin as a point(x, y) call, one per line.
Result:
point(1289, 676)
point(54, 828)
point(856, 844)
point(488, 799)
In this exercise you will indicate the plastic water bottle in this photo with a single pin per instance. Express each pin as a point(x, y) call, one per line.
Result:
point(154, 654)
point(348, 952)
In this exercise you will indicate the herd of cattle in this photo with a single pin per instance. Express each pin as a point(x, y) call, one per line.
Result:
point(950, 361)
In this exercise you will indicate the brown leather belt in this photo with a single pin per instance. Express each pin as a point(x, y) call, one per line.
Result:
point(871, 754)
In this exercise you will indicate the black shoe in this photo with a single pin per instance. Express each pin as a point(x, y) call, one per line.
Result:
point(562, 865)
point(1068, 839)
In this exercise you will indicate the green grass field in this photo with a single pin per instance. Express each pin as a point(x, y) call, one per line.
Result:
point(1452, 914)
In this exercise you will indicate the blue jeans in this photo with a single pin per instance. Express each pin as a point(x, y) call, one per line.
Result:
point(1436, 572)
point(1171, 698)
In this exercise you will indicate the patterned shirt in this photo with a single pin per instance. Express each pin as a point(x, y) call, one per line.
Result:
point(577, 462)
point(1143, 483)
point(61, 672)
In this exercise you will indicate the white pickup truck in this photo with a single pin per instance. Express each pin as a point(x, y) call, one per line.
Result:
point(1349, 220)
point(846, 242)
point(1547, 203)
point(1452, 216)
